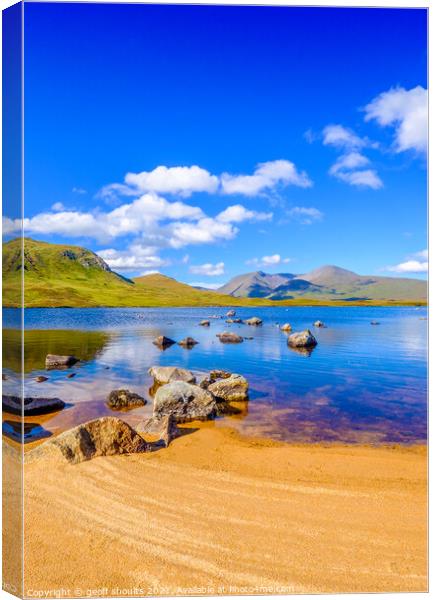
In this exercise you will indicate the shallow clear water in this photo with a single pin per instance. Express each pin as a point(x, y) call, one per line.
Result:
point(362, 383)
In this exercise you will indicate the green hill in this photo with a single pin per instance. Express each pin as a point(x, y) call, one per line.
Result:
point(60, 275)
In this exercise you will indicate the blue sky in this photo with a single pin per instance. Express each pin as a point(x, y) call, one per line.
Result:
point(204, 142)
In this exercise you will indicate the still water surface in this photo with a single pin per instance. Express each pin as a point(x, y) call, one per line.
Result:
point(362, 383)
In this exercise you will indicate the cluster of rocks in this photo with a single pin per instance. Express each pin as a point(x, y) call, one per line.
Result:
point(164, 342)
point(178, 394)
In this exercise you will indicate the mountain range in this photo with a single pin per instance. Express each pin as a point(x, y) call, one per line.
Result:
point(57, 275)
point(328, 282)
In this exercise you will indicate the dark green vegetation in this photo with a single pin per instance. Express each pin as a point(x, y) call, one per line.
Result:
point(58, 275)
point(86, 345)
point(327, 283)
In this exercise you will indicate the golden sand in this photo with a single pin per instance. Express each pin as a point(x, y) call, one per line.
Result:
point(219, 513)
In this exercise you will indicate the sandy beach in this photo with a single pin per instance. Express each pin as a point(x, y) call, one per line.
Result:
point(220, 513)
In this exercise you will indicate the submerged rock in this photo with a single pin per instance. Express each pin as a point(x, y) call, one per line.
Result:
point(188, 342)
point(230, 389)
point(286, 327)
point(57, 360)
point(229, 338)
point(163, 375)
point(302, 339)
point(163, 342)
point(165, 428)
point(124, 399)
point(184, 401)
point(107, 436)
point(71, 375)
point(375, 322)
point(31, 406)
point(253, 321)
point(318, 324)
point(205, 323)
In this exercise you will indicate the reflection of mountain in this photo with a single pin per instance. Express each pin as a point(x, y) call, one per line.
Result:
point(38, 343)
point(326, 283)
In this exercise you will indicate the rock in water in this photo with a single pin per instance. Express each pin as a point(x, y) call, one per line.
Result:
point(188, 342)
point(184, 401)
point(302, 339)
point(286, 327)
point(318, 324)
point(229, 338)
point(231, 313)
point(164, 375)
point(205, 323)
point(375, 322)
point(234, 320)
point(230, 389)
point(165, 428)
point(41, 378)
point(101, 437)
point(31, 406)
point(253, 321)
point(123, 399)
point(163, 342)
point(56, 360)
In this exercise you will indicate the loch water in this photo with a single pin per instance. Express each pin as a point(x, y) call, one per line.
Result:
point(362, 383)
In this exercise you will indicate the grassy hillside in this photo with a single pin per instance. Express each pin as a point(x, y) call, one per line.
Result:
point(59, 275)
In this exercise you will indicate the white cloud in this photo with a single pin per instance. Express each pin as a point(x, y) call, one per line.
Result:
point(58, 206)
point(136, 256)
point(266, 177)
point(186, 180)
point(206, 285)
point(342, 137)
point(353, 160)
point(138, 217)
point(238, 213)
point(417, 263)
point(366, 178)
point(268, 261)
point(208, 269)
point(183, 181)
point(349, 166)
point(407, 111)
point(305, 215)
point(204, 231)
point(79, 190)
point(151, 272)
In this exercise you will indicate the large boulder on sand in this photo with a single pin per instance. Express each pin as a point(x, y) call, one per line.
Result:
point(230, 389)
point(124, 399)
point(229, 338)
point(163, 342)
point(184, 401)
point(253, 321)
point(164, 375)
point(302, 339)
point(57, 360)
point(101, 437)
point(31, 406)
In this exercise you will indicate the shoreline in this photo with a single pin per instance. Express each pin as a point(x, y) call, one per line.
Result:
point(182, 516)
